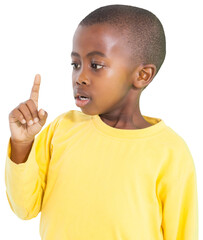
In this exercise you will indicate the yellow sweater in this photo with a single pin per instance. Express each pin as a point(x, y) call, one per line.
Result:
point(91, 181)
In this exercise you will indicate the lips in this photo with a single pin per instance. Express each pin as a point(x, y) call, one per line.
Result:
point(78, 93)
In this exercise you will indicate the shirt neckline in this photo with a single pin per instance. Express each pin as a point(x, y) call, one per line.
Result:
point(157, 125)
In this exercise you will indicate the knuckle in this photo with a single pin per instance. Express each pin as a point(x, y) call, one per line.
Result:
point(26, 113)
point(31, 105)
point(29, 101)
point(35, 114)
point(14, 113)
point(20, 115)
point(21, 105)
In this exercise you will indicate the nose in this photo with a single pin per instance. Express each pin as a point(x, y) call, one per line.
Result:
point(82, 79)
point(81, 82)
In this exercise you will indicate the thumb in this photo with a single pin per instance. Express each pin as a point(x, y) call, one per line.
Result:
point(42, 117)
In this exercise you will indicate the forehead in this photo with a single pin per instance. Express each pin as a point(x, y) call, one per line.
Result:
point(99, 37)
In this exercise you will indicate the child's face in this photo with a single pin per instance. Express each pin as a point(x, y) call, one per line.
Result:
point(105, 79)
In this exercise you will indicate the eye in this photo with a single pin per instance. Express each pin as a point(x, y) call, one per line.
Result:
point(95, 65)
point(75, 65)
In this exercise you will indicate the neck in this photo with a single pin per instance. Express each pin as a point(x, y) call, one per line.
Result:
point(125, 118)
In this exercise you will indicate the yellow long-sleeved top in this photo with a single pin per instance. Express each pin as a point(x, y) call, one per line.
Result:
point(95, 182)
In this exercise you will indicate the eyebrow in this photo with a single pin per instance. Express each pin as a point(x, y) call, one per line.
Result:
point(90, 54)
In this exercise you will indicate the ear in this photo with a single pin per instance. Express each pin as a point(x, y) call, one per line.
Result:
point(145, 74)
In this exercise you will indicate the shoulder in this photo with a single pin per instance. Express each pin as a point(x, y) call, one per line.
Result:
point(70, 118)
point(178, 152)
point(175, 140)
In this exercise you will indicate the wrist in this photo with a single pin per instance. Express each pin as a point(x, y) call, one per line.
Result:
point(21, 143)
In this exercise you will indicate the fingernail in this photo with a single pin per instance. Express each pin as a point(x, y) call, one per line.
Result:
point(43, 112)
point(36, 120)
point(30, 122)
point(23, 121)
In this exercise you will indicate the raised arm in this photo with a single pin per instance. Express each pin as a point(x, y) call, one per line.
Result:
point(25, 122)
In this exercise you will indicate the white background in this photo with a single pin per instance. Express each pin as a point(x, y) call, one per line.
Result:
point(36, 37)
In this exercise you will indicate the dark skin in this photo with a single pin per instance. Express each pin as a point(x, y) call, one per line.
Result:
point(113, 82)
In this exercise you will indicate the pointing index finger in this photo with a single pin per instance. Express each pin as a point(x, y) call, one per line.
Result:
point(35, 89)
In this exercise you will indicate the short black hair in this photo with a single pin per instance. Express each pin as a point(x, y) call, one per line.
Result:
point(143, 31)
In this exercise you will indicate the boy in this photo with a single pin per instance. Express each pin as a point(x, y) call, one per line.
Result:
point(108, 172)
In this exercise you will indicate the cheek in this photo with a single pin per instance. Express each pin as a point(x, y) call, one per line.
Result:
point(117, 81)
point(112, 85)
point(73, 78)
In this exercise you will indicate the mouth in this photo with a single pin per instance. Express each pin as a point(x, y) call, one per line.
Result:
point(81, 101)
point(80, 97)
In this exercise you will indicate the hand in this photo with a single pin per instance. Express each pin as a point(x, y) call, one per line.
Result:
point(25, 121)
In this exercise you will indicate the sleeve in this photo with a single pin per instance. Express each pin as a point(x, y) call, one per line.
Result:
point(26, 182)
point(177, 192)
